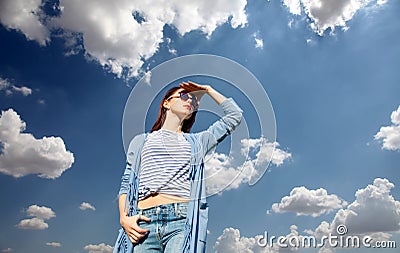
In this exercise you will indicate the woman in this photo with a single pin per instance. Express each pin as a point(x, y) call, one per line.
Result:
point(164, 209)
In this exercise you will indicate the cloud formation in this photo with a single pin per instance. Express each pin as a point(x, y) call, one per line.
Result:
point(53, 244)
point(9, 89)
point(327, 14)
point(391, 134)
point(22, 154)
point(265, 151)
point(120, 35)
point(99, 248)
point(374, 213)
point(259, 43)
point(39, 214)
point(226, 172)
point(24, 16)
point(85, 206)
point(231, 241)
point(303, 201)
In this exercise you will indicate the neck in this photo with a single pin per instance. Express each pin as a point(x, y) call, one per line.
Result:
point(172, 123)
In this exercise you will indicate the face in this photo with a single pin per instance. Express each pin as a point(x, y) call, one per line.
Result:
point(182, 103)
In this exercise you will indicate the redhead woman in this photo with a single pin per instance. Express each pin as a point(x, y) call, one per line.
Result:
point(162, 199)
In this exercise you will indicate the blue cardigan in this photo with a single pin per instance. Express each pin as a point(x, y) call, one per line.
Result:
point(201, 144)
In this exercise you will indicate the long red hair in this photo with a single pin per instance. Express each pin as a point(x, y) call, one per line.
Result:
point(162, 113)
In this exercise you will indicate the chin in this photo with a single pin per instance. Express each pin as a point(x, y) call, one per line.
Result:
point(188, 116)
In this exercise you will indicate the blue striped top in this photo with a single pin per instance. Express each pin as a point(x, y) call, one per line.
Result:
point(164, 165)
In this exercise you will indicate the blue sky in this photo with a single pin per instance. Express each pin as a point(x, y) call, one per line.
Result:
point(331, 73)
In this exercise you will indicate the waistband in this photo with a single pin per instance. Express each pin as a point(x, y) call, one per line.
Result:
point(177, 207)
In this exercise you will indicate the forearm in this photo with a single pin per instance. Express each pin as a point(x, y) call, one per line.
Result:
point(222, 127)
point(123, 209)
point(218, 97)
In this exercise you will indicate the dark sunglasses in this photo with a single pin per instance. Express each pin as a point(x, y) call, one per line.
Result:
point(185, 96)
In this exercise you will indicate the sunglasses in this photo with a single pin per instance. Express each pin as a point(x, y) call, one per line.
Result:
point(184, 96)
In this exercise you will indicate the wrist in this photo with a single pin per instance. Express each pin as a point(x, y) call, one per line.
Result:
point(122, 219)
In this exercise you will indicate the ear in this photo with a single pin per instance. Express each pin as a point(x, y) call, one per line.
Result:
point(166, 105)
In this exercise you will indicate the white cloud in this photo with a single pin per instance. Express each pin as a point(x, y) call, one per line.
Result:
point(325, 14)
point(147, 77)
point(53, 244)
point(24, 16)
point(22, 154)
point(109, 33)
point(231, 241)
point(24, 90)
point(293, 5)
point(226, 172)
point(172, 51)
point(7, 250)
point(259, 43)
point(85, 206)
point(221, 175)
point(290, 23)
point(99, 248)
point(303, 201)
point(266, 151)
point(371, 202)
point(374, 213)
point(120, 43)
point(391, 134)
point(4, 84)
point(34, 223)
point(41, 212)
point(9, 89)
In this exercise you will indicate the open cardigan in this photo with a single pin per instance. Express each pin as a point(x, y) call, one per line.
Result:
point(201, 144)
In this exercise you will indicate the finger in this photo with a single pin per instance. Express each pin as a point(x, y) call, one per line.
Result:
point(133, 239)
point(136, 234)
point(145, 218)
point(140, 230)
point(193, 83)
point(198, 86)
point(186, 86)
point(193, 86)
point(190, 84)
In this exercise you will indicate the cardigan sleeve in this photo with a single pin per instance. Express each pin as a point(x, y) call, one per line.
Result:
point(130, 162)
point(222, 127)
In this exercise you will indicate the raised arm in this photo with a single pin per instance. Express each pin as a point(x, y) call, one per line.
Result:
point(224, 126)
point(199, 90)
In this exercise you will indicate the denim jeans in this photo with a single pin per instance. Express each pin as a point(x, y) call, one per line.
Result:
point(167, 228)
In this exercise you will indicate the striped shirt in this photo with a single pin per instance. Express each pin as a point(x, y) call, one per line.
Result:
point(164, 165)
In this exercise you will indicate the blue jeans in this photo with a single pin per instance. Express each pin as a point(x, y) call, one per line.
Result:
point(167, 228)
